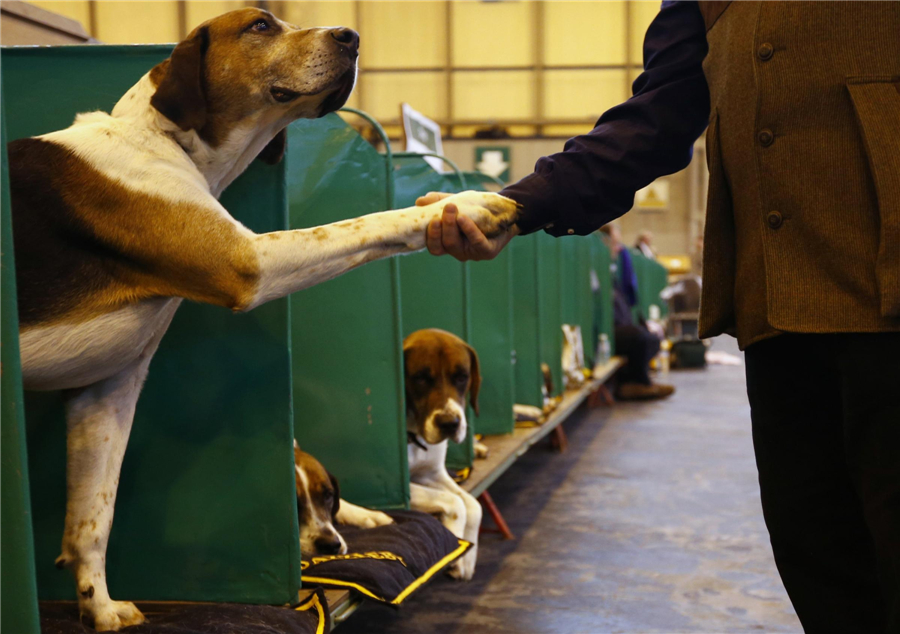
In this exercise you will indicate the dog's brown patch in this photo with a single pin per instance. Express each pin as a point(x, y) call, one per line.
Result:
point(85, 245)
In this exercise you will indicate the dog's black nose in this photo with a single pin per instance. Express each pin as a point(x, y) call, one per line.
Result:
point(346, 37)
point(328, 545)
point(447, 423)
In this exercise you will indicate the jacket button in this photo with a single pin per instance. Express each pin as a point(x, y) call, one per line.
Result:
point(774, 219)
point(766, 137)
point(571, 232)
point(766, 51)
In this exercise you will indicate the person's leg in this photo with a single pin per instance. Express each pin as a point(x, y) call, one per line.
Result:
point(870, 370)
point(638, 346)
point(822, 546)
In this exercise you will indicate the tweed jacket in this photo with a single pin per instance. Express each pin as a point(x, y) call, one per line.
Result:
point(803, 148)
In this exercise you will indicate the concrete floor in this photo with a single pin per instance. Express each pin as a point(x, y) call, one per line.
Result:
point(650, 523)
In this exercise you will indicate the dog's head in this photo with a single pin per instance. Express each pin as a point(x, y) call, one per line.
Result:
point(318, 501)
point(441, 369)
point(247, 71)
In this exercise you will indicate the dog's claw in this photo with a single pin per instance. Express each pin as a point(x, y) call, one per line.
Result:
point(116, 615)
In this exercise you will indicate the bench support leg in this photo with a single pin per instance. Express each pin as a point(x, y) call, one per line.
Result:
point(488, 502)
point(559, 440)
point(601, 396)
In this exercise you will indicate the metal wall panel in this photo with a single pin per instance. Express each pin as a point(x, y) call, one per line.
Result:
point(345, 335)
point(206, 508)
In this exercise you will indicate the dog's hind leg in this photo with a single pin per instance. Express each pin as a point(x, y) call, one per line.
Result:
point(98, 420)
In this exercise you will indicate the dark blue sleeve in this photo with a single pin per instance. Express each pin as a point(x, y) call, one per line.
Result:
point(594, 179)
point(627, 279)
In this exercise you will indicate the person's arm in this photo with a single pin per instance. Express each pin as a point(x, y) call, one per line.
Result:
point(594, 179)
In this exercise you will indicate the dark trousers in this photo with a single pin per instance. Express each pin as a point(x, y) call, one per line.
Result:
point(826, 431)
point(638, 345)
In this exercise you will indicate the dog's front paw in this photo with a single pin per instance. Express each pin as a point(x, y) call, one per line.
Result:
point(377, 518)
point(115, 615)
point(493, 214)
point(463, 569)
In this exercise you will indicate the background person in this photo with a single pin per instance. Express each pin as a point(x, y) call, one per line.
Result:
point(644, 244)
point(801, 259)
point(634, 341)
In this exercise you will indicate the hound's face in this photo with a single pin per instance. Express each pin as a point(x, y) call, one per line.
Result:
point(318, 501)
point(247, 68)
point(441, 369)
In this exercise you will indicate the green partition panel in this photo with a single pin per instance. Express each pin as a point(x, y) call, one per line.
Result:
point(346, 338)
point(584, 299)
point(652, 279)
point(18, 585)
point(436, 291)
point(601, 264)
point(206, 507)
point(526, 325)
point(575, 285)
point(491, 332)
point(550, 305)
point(657, 280)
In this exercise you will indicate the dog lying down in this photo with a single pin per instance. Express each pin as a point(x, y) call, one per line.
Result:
point(117, 221)
point(320, 507)
point(440, 371)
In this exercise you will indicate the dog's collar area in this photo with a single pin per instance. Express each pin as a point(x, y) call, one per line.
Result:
point(413, 439)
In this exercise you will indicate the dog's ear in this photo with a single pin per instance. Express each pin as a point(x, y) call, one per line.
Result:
point(336, 505)
point(180, 95)
point(274, 151)
point(475, 378)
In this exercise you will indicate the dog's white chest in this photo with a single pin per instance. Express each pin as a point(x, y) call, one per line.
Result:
point(65, 356)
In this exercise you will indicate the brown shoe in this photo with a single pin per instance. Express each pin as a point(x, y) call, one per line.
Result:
point(640, 392)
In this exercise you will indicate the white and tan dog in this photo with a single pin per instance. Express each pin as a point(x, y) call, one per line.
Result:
point(441, 370)
point(320, 507)
point(117, 220)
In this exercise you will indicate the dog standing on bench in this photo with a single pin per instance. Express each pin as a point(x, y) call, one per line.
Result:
point(440, 371)
point(320, 507)
point(116, 220)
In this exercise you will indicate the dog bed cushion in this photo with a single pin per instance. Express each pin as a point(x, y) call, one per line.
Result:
point(310, 617)
point(388, 563)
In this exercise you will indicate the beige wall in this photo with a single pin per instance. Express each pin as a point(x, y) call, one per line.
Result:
point(407, 46)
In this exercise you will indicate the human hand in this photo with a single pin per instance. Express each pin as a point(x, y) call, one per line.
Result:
point(458, 234)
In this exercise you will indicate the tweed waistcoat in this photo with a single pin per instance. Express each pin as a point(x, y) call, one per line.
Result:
point(803, 213)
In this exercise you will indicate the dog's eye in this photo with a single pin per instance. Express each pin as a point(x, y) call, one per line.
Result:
point(422, 381)
point(461, 378)
point(260, 25)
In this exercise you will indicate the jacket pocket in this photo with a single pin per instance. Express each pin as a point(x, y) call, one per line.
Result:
point(717, 293)
point(876, 101)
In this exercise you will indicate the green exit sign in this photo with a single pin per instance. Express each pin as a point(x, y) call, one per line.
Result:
point(494, 161)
